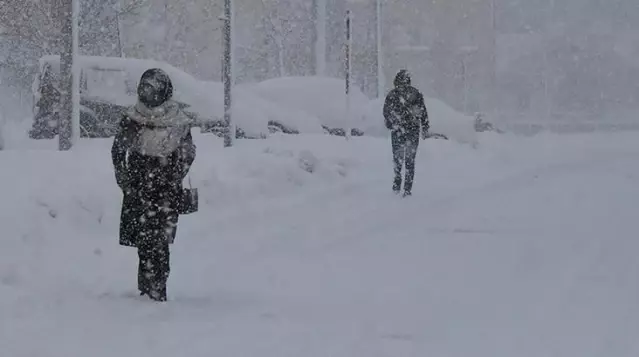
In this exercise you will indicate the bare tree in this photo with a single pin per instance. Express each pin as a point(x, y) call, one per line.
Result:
point(184, 33)
point(31, 22)
point(278, 28)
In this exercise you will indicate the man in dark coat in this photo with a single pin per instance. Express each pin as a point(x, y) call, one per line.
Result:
point(405, 116)
point(152, 154)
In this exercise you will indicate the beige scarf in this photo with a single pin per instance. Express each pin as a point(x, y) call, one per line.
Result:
point(163, 128)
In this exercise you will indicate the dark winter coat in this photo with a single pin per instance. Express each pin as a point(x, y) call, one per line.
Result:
point(151, 157)
point(405, 112)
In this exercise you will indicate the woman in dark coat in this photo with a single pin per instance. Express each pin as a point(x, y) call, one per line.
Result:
point(152, 154)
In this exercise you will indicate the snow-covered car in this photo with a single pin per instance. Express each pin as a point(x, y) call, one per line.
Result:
point(291, 105)
point(107, 87)
point(323, 98)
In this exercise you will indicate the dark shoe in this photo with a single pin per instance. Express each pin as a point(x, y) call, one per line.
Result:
point(397, 185)
point(407, 194)
point(157, 295)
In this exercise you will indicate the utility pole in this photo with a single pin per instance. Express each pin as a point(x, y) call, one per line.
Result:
point(227, 72)
point(348, 69)
point(381, 80)
point(64, 14)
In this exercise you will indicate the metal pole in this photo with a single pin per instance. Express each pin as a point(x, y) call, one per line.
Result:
point(226, 75)
point(75, 74)
point(381, 81)
point(547, 99)
point(492, 103)
point(65, 16)
point(347, 60)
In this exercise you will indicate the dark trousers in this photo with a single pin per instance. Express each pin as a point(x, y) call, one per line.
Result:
point(153, 250)
point(153, 268)
point(404, 154)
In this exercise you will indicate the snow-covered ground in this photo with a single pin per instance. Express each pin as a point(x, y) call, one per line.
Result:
point(515, 247)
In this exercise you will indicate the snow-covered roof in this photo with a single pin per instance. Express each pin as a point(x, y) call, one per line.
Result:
point(131, 65)
point(188, 90)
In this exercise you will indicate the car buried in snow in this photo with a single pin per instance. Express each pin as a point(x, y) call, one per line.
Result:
point(107, 87)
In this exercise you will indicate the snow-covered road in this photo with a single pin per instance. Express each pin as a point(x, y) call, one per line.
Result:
point(520, 247)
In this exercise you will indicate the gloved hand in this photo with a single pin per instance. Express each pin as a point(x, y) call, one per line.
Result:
point(425, 134)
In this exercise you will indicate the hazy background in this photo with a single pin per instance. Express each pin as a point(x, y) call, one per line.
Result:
point(519, 60)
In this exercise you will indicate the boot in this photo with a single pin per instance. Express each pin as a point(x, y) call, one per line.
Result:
point(143, 278)
point(397, 184)
point(158, 294)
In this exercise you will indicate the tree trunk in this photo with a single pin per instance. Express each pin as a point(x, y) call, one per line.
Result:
point(280, 56)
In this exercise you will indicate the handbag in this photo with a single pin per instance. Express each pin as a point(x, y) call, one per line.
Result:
point(189, 200)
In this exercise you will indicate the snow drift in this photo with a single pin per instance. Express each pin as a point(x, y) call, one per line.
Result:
point(310, 101)
point(320, 97)
point(253, 113)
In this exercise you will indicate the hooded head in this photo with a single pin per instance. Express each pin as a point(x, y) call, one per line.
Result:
point(155, 88)
point(402, 78)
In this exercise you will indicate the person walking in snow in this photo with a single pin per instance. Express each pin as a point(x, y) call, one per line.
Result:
point(405, 115)
point(152, 154)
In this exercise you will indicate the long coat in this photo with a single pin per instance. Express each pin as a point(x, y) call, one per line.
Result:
point(151, 186)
